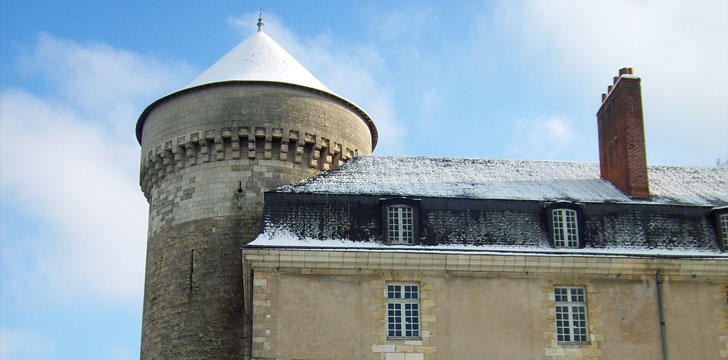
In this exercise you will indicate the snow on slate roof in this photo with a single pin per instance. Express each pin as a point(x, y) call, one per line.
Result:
point(285, 239)
point(512, 180)
point(259, 58)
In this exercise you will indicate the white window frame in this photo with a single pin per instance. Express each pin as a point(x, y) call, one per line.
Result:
point(723, 225)
point(565, 228)
point(571, 317)
point(403, 311)
point(400, 224)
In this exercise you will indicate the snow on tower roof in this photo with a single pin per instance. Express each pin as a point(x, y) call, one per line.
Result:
point(259, 58)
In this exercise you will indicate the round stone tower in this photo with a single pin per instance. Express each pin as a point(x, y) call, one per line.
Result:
point(253, 121)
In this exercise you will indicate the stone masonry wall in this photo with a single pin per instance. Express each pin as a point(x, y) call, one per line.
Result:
point(208, 155)
point(192, 294)
point(319, 304)
point(234, 122)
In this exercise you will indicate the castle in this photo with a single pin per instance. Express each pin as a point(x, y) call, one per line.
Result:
point(274, 235)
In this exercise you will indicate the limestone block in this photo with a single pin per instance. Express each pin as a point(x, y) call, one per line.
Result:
point(299, 153)
point(226, 134)
point(268, 147)
point(309, 138)
point(395, 356)
point(251, 146)
point(204, 150)
point(235, 148)
point(219, 149)
point(383, 348)
point(283, 156)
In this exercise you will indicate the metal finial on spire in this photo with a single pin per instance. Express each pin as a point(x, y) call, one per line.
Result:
point(260, 18)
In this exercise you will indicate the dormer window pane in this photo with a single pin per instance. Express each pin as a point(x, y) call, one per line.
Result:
point(565, 228)
point(400, 225)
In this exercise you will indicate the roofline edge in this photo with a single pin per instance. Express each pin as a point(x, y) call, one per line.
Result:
point(514, 252)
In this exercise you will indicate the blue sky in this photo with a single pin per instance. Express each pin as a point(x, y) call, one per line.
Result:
point(498, 79)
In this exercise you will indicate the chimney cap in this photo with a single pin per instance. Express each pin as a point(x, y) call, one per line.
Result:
point(625, 72)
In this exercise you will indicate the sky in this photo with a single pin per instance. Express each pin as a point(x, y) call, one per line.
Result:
point(486, 79)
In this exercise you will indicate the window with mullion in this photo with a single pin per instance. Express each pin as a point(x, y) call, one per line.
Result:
point(400, 224)
point(565, 228)
point(571, 317)
point(403, 311)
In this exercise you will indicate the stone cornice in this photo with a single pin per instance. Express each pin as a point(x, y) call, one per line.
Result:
point(581, 264)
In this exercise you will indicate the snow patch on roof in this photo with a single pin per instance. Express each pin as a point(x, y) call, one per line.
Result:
point(511, 180)
point(280, 238)
point(259, 58)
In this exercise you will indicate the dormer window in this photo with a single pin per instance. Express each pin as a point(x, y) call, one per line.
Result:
point(400, 221)
point(723, 224)
point(719, 216)
point(400, 224)
point(565, 225)
point(565, 228)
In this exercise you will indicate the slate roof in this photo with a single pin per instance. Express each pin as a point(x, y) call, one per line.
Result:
point(512, 180)
point(497, 206)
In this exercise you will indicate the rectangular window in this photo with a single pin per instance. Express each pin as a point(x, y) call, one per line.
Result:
point(403, 311)
point(724, 230)
point(400, 225)
point(566, 232)
point(571, 324)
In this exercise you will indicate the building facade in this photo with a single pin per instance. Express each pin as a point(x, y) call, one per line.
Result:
point(496, 278)
point(351, 256)
point(437, 258)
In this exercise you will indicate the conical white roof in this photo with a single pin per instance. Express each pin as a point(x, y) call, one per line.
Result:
point(259, 58)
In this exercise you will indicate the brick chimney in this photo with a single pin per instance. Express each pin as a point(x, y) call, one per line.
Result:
point(622, 158)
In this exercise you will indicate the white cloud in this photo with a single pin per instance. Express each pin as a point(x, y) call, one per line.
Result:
point(70, 162)
point(25, 344)
point(69, 174)
point(549, 136)
point(101, 82)
point(677, 47)
point(349, 70)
